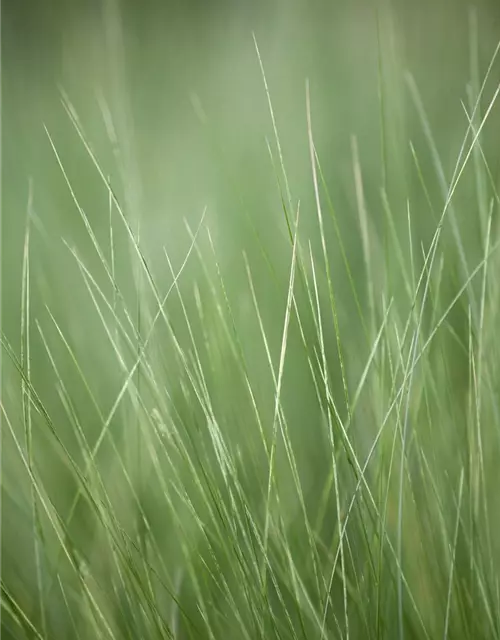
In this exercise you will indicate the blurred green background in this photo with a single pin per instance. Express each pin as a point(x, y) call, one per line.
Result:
point(172, 101)
point(183, 88)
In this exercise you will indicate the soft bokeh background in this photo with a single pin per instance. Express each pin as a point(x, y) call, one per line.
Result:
point(183, 88)
point(172, 101)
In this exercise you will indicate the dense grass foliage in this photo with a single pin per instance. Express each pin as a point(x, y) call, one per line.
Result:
point(278, 421)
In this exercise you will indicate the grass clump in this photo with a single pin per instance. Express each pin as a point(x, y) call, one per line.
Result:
point(306, 451)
